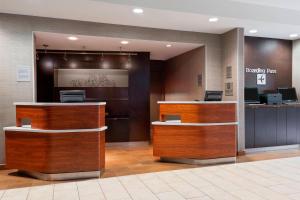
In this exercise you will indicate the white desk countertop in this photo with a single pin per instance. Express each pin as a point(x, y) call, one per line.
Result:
point(28, 129)
point(195, 102)
point(59, 104)
point(193, 124)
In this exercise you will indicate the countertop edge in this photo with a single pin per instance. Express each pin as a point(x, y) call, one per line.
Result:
point(193, 124)
point(23, 129)
point(59, 104)
point(197, 102)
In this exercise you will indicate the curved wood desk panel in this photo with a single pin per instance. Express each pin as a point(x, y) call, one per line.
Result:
point(54, 153)
point(199, 112)
point(55, 117)
point(194, 142)
point(64, 141)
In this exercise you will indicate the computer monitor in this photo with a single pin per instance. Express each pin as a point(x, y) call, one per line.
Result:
point(213, 96)
point(71, 96)
point(288, 94)
point(251, 95)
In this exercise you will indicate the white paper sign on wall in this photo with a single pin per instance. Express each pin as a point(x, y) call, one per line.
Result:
point(261, 79)
point(23, 73)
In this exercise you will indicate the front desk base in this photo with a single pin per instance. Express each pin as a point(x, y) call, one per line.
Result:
point(200, 162)
point(62, 176)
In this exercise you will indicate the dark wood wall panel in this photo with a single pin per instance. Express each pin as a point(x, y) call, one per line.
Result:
point(269, 53)
point(157, 93)
point(124, 105)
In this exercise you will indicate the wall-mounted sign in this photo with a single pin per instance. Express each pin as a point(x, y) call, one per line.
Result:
point(199, 80)
point(261, 79)
point(228, 72)
point(91, 78)
point(23, 73)
point(229, 89)
point(260, 70)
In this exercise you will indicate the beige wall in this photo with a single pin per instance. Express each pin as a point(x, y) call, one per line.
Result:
point(233, 55)
point(296, 66)
point(16, 48)
point(181, 76)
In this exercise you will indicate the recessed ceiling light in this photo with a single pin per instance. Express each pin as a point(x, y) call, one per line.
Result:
point(138, 11)
point(168, 45)
point(124, 42)
point(213, 19)
point(294, 35)
point(253, 31)
point(73, 38)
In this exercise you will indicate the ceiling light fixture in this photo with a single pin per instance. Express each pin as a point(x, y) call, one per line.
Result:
point(138, 11)
point(124, 42)
point(294, 35)
point(168, 45)
point(253, 31)
point(73, 38)
point(213, 19)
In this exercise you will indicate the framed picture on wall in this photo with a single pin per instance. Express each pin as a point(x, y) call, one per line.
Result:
point(229, 89)
point(199, 79)
point(229, 72)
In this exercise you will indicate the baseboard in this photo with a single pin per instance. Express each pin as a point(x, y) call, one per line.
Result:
point(274, 148)
point(127, 144)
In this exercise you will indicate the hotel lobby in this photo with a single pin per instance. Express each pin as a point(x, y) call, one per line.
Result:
point(127, 99)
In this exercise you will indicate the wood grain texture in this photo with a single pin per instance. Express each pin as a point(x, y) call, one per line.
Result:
point(198, 142)
point(200, 113)
point(62, 117)
point(269, 53)
point(55, 152)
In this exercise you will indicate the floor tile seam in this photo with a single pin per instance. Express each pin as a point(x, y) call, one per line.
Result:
point(174, 190)
point(148, 187)
point(214, 185)
point(204, 194)
point(235, 183)
point(131, 197)
point(98, 182)
point(2, 195)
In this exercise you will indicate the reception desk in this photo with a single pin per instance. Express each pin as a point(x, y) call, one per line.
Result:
point(202, 132)
point(63, 140)
point(268, 126)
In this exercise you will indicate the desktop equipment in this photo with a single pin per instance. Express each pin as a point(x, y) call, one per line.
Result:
point(288, 94)
point(251, 96)
point(213, 95)
point(272, 98)
point(72, 96)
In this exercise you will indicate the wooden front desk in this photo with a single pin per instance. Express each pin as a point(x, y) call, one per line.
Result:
point(57, 154)
point(207, 131)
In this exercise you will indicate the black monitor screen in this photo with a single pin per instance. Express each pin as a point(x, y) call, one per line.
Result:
point(288, 94)
point(70, 96)
point(213, 96)
point(251, 95)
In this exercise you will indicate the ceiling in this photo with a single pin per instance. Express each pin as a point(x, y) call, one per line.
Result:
point(272, 18)
point(157, 49)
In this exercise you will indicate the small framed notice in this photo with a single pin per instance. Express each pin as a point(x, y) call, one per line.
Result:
point(229, 89)
point(229, 72)
point(23, 73)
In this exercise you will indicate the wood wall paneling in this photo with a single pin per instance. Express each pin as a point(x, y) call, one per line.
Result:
point(157, 93)
point(132, 102)
point(269, 53)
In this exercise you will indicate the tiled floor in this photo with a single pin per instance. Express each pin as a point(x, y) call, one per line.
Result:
point(269, 180)
point(133, 158)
